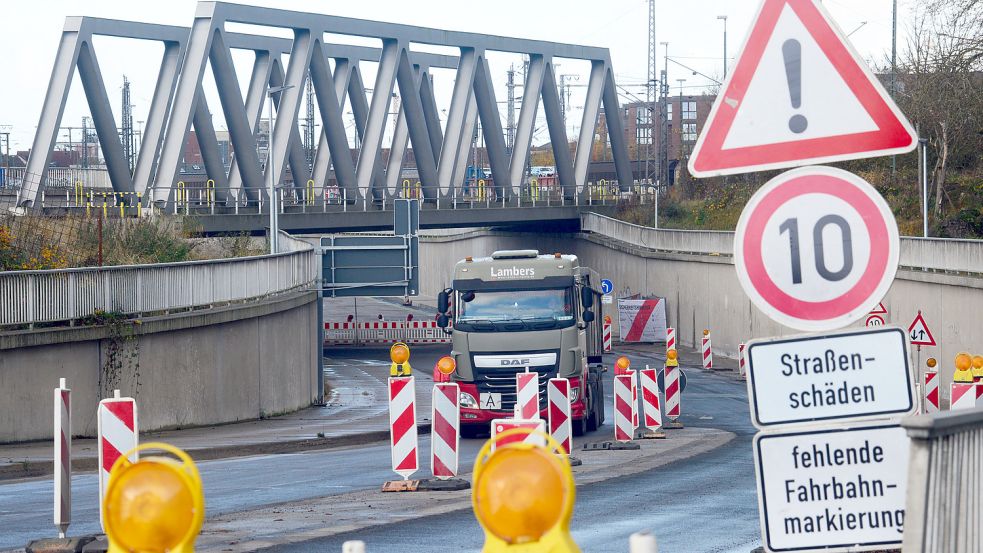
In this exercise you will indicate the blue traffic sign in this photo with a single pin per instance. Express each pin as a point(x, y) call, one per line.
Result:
point(607, 286)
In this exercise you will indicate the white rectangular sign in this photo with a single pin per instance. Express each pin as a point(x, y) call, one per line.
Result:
point(832, 489)
point(642, 320)
point(856, 374)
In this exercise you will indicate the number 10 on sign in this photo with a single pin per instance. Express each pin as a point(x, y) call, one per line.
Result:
point(816, 248)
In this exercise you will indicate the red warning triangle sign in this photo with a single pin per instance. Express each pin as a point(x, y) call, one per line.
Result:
point(879, 310)
point(918, 332)
point(799, 94)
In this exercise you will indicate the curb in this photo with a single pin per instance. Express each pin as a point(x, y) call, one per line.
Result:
point(31, 469)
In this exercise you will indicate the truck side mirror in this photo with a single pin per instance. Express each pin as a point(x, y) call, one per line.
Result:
point(443, 303)
point(587, 297)
point(468, 296)
point(588, 316)
point(442, 320)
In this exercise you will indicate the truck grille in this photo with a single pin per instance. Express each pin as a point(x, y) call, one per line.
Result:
point(503, 381)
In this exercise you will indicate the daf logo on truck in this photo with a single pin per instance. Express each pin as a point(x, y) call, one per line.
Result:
point(513, 272)
point(518, 310)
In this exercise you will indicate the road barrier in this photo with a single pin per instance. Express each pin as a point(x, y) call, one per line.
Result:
point(385, 332)
point(707, 351)
point(518, 431)
point(403, 438)
point(527, 395)
point(623, 431)
point(118, 433)
point(63, 457)
point(963, 395)
point(673, 392)
point(651, 409)
point(606, 334)
point(741, 361)
point(931, 392)
point(560, 425)
point(944, 486)
point(670, 338)
point(445, 434)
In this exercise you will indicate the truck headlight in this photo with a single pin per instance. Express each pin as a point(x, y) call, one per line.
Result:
point(574, 393)
point(467, 400)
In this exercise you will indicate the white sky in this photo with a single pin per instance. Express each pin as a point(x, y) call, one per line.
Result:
point(29, 35)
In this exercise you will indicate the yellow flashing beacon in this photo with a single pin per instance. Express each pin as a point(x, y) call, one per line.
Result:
point(977, 368)
point(399, 353)
point(672, 358)
point(964, 372)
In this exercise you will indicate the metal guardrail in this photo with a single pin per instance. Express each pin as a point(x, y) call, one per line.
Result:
point(930, 254)
point(30, 297)
point(945, 483)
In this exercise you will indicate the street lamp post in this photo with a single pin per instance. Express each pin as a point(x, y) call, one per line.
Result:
point(271, 169)
point(724, 19)
point(923, 142)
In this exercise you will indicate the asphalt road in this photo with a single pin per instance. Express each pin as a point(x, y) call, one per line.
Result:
point(706, 503)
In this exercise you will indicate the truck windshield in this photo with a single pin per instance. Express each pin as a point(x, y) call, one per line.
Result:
point(517, 310)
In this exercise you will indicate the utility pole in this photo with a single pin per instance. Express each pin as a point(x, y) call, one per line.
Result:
point(510, 123)
point(664, 143)
point(85, 141)
point(309, 124)
point(127, 125)
point(724, 19)
point(894, 70)
point(650, 93)
point(679, 115)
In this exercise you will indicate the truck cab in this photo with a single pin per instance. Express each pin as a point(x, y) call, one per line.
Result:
point(516, 311)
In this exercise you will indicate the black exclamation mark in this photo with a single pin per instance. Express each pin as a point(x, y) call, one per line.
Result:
point(792, 51)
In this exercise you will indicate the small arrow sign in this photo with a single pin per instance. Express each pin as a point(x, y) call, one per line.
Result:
point(918, 332)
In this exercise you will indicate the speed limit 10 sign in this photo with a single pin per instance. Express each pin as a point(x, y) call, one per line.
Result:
point(816, 248)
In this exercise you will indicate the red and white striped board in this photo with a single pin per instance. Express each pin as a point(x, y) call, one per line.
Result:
point(560, 424)
point(623, 431)
point(502, 425)
point(634, 398)
point(964, 395)
point(707, 352)
point(527, 395)
point(741, 366)
point(116, 419)
point(651, 408)
point(402, 426)
point(673, 395)
point(670, 338)
point(931, 392)
point(63, 457)
point(445, 435)
point(606, 335)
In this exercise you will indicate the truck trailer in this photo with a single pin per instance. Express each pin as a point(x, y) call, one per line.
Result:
point(516, 311)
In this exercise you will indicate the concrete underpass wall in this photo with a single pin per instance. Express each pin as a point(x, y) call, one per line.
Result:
point(702, 291)
point(212, 366)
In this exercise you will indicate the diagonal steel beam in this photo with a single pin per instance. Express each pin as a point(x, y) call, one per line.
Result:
point(416, 122)
point(153, 130)
point(616, 131)
point(360, 110)
point(297, 158)
point(491, 123)
point(588, 124)
point(430, 114)
point(526, 126)
point(457, 131)
point(103, 120)
point(558, 133)
point(207, 142)
point(330, 93)
point(255, 97)
point(322, 159)
point(378, 113)
point(289, 103)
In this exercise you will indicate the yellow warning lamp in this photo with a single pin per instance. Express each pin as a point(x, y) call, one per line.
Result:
point(964, 364)
point(399, 353)
point(607, 319)
point(706, 331)
point(523, 496)
point(977, 367)
point(672, 358)
point(153, 505)
point(446, 365)
point(931, 362)
point(622, 365)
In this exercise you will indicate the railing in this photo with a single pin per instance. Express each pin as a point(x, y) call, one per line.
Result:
point(945, 483)
point(58, 178)
point(929, 254)
point(29, 297)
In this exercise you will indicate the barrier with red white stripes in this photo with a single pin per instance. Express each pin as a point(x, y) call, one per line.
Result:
point(931, 392)
point(116, 419)
point(385, 332)
point(606, 335)
point(651, 408)
point(560, 425)
point(445, 434)
point(741, 366)
point(673, 397)
point(964, 395)
point(670, 338)
point(634, 400)
point(402, 426)
point(623, 431)
point(707, 351)
point(500, 426)
point(63, 457)
point(527, 395)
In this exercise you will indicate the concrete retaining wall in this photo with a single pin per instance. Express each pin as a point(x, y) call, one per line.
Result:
point(219, 365)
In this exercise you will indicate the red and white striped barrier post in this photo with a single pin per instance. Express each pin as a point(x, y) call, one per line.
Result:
point(63, 457)
point(707, 351)
point(670, 338)
point(606, 334)
point(931, 392)
point(116, 420)
point(673, 395)
point(623, 431)
point(560, 425)
point(402, 426)
point(964, 395)
point(445, 435)
point(651, 408)
point(741, 362)
point(532, 426)
point(527, 395)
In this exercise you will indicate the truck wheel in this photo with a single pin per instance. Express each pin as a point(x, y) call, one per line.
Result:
point(473, 430)
point(580, 426)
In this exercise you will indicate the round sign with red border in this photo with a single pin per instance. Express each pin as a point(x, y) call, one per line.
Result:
point(816, 248)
